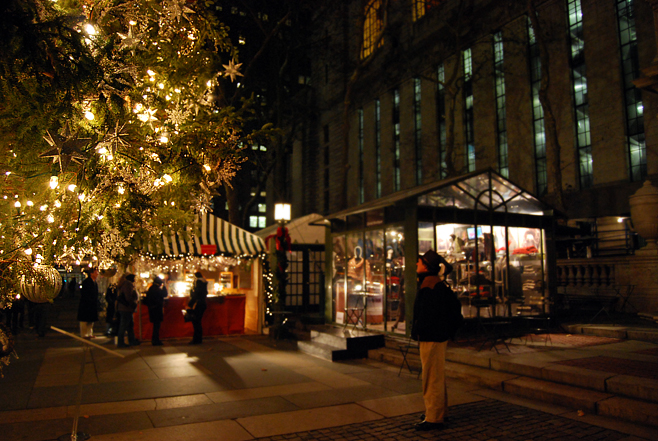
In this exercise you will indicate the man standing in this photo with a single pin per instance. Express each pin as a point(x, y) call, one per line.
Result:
point(198, 303)
point(155, 301)
point(88, 306)
point(432, 329)
point(126, 304)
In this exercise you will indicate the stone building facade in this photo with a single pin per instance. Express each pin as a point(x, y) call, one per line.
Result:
point(385, 116)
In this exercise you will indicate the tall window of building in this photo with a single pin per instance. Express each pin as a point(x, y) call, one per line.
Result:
point(541, 175)
point(378, 149)
point(441, 115)
point(372, 25)
point(580, 101)
point(396, 140)
point(421, 7)
point(418, 144)
point(501, 109)
point(636, 144)
point(469, 128)
point(326, 173)
point(361, 186)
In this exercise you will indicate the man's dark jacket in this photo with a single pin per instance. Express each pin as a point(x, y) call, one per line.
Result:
point(432, 311)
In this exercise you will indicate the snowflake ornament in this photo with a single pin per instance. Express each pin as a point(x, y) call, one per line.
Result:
point(66, 149)
point(231, 70)
point(178, 116)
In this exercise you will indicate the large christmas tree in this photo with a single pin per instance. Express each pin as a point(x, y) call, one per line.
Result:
point(110, 129)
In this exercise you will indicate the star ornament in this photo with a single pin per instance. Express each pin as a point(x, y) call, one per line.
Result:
point(65, 149)
point(232, 70)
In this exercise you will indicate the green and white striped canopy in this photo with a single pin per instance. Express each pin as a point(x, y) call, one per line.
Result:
point(214, 236)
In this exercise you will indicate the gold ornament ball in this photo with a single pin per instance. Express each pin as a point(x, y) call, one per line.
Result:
point(43, 288)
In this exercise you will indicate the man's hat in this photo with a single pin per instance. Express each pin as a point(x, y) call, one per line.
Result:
point(433, 261)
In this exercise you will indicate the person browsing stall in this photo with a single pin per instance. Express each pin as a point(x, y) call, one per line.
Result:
point(198, 304)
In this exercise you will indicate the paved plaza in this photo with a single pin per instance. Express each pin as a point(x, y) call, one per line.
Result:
point(251, 387)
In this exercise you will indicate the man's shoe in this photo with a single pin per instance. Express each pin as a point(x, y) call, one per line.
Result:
point(426, 425)
point(445, 420)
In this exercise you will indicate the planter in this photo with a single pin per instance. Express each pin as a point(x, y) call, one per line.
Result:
point(644, 212)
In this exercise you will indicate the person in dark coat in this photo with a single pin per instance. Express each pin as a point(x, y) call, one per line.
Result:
point(198, 303)
point(110, 312)
point(88, 306)
point(431, 331)
point(15, 314)
point(126, 304)
point(155, 301)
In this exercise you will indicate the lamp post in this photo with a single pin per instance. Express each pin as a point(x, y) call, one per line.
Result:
point(282, 242)
point(282, 216)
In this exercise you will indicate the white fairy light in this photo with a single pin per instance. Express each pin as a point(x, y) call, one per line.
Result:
point(89, 115)
point(54, 182)
point(167, 178)
point(90, 29)
point(72, 187)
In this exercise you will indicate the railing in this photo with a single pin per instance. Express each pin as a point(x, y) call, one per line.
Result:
point(586, 273)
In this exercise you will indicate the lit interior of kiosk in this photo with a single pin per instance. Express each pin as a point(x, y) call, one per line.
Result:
point(490, 230)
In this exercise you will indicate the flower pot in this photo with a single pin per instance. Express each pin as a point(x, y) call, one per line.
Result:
point(644, 212)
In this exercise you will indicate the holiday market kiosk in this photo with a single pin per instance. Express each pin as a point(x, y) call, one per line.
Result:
point(229, 259)
point(493, 233)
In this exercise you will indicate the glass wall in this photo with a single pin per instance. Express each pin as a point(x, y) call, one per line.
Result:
point(368, 279)
point(395, 307)
point(490, 277)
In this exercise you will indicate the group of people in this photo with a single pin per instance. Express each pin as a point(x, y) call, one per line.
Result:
point(122, 300)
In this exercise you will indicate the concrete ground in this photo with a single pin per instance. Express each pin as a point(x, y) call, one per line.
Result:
point(244, 388)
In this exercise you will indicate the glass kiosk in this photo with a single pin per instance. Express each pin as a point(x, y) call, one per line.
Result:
point(492, 231)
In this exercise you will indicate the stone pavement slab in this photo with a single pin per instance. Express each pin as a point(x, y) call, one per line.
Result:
point(220, 411)
point(305, 420)
point(229, 430)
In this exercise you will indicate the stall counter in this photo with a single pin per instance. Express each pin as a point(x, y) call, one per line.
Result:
point(224, 315)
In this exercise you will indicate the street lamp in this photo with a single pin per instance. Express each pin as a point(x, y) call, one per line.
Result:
point(282, 213)
point(282, 242)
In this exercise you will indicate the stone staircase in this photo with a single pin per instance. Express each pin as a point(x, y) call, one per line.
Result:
point(337, 343)
point(594, 392)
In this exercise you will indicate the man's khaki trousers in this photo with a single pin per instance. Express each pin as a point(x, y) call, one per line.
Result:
point(433, 358)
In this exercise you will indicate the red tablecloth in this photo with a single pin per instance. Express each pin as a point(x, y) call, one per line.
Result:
point(224, 315)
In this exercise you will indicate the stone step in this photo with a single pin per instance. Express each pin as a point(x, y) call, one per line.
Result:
point(621, 332)
point(560, 394)
point(629, 398)
point(328, 352)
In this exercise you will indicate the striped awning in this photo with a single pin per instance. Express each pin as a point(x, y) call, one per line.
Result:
point(209, 236)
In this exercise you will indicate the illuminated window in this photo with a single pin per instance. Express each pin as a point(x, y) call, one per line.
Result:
point(469, 126)
point(420, 7)
point(635, 140)
point(262, 221)
point(541, 171)
point(501, 106)
point(362, 195)
point(580, 100)
point(262, 208)
point(253, 221)
point(372, 25)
